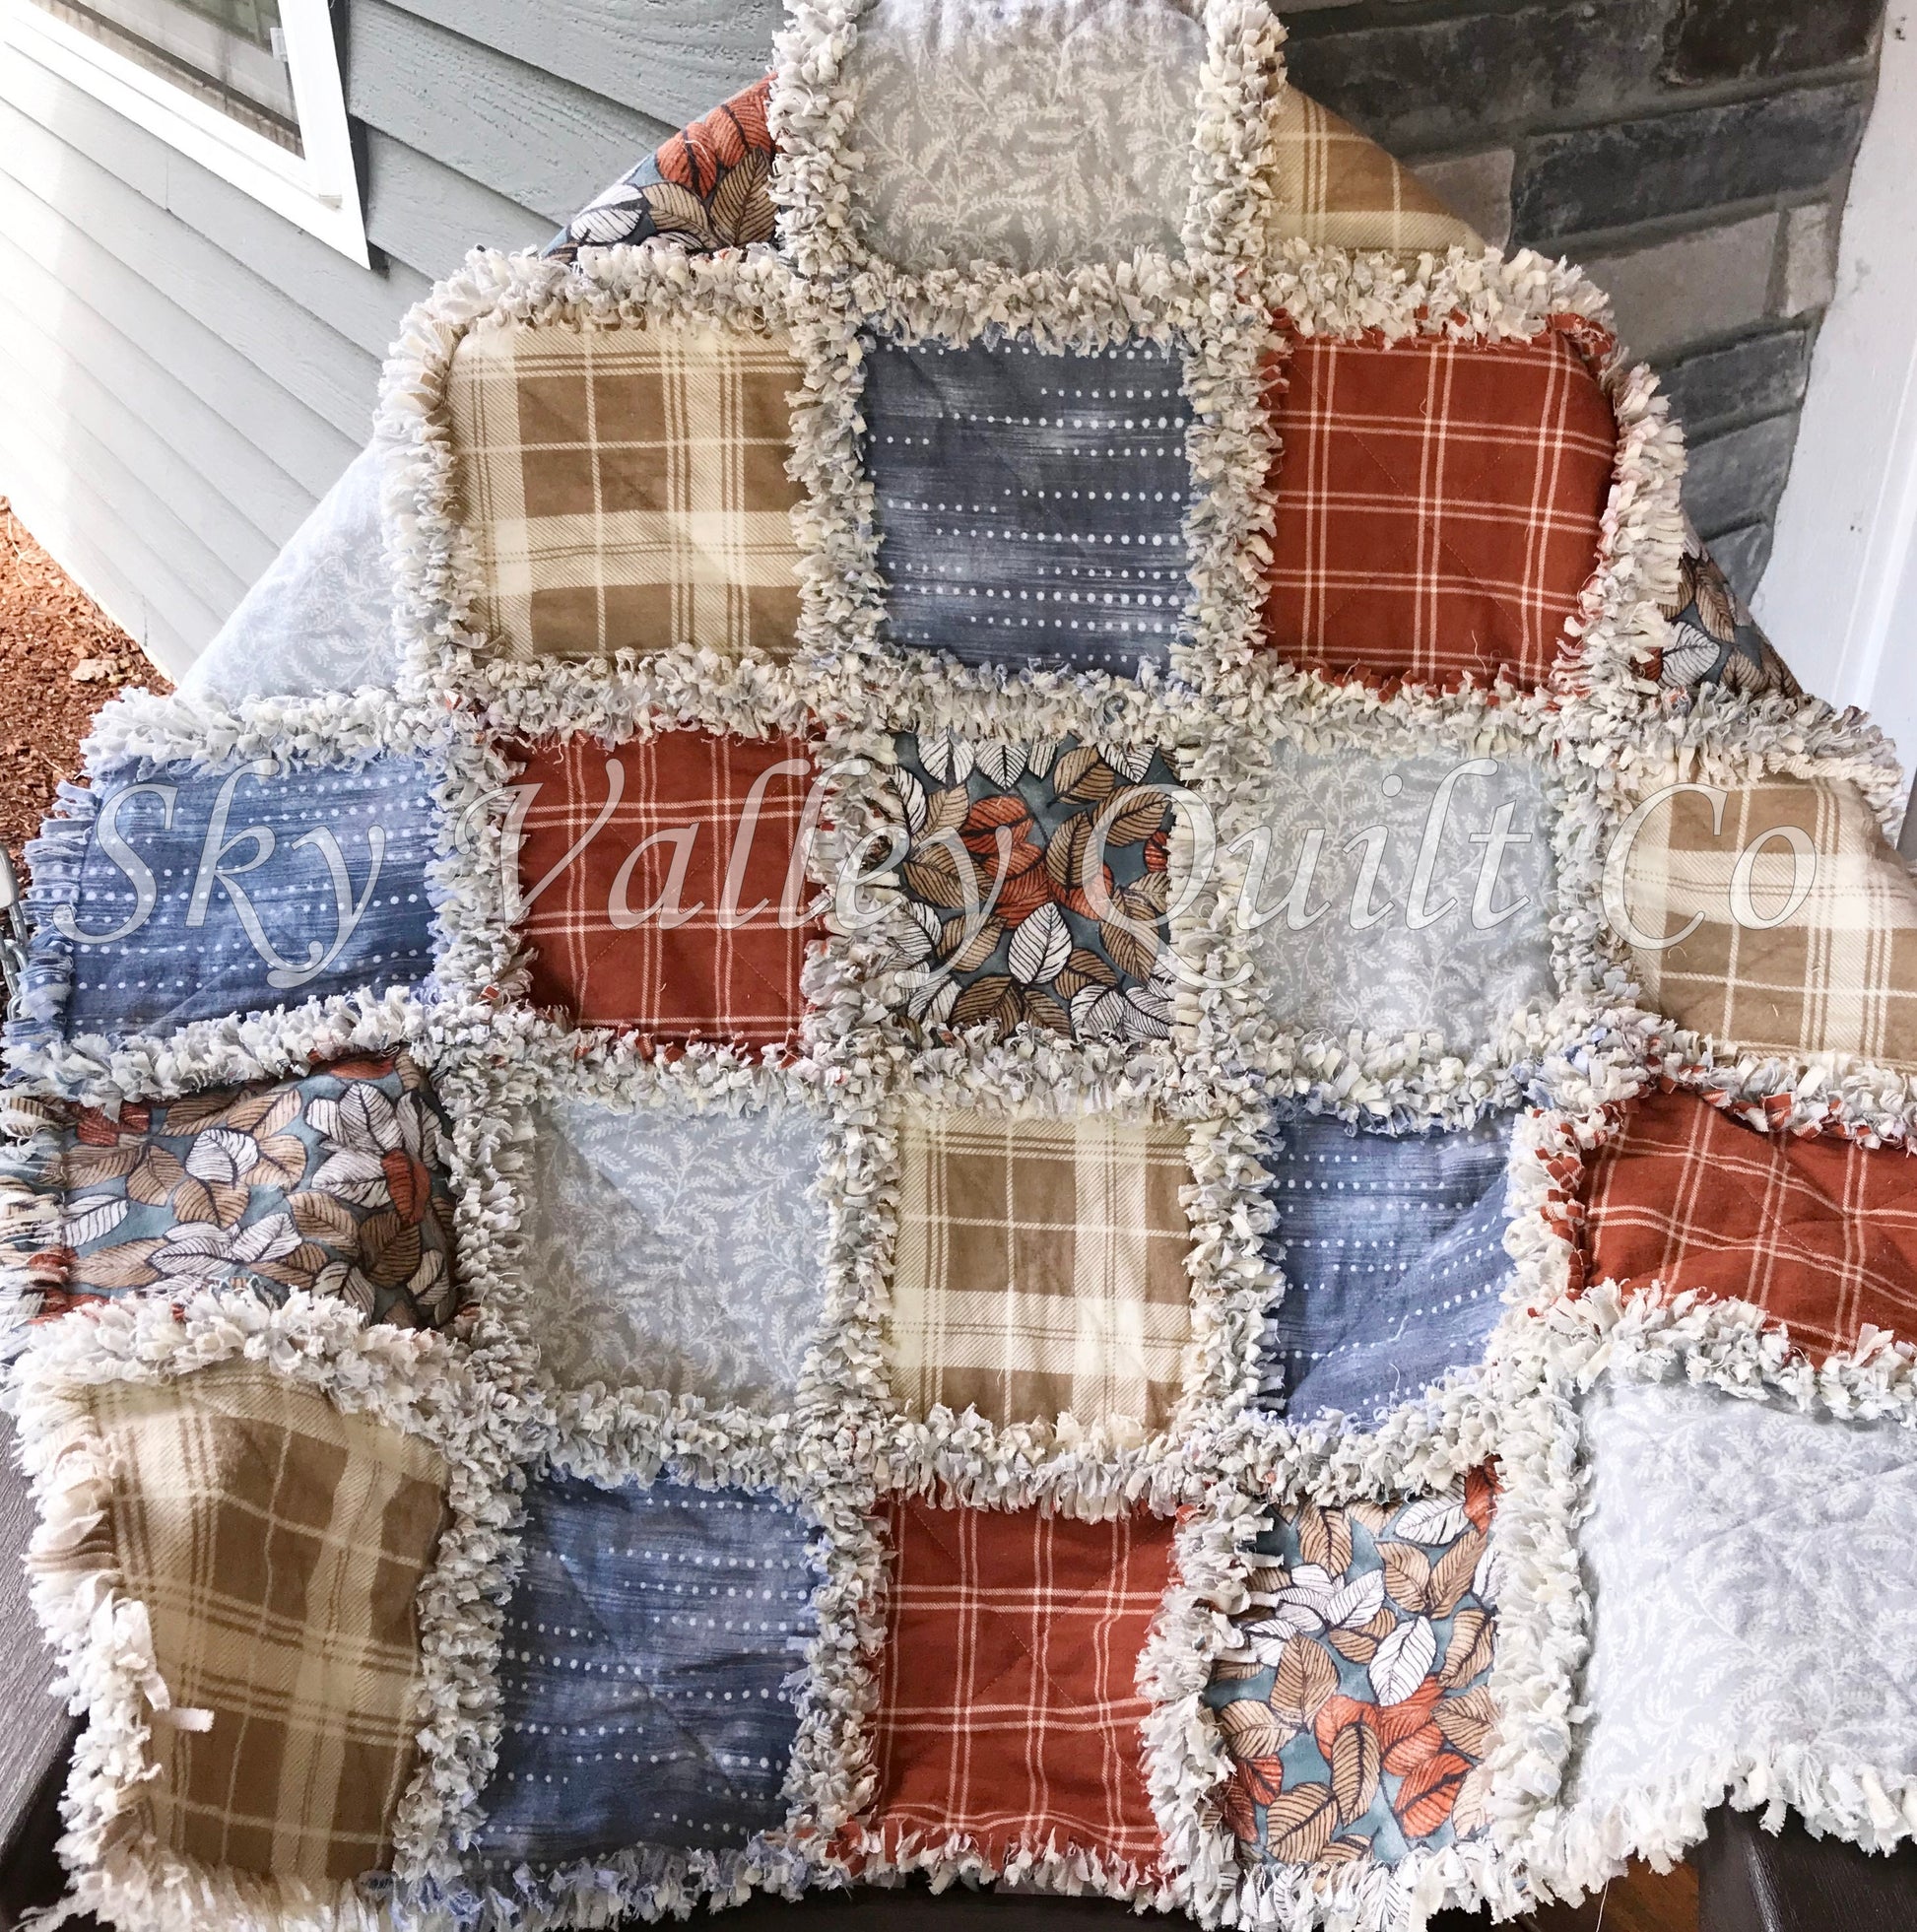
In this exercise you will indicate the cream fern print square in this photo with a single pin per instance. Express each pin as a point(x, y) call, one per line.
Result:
point(705, 1271)
point(1033, 133)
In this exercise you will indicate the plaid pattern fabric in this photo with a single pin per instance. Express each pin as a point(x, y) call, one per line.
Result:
point(1040, 1268)
point(641, 923)
point(277, 1545)
point(626, 489)
point(1009, 1712)
point(1331, 186)
point(1820, 1232)
point(1437, 503)
point(1838, 973)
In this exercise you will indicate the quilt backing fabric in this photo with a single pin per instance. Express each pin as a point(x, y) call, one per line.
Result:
point(999, 1028)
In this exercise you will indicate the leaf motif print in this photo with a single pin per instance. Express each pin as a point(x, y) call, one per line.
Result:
point(1299, 1825)
point(1306, 1678)
point(1004, 764)
point(1083, 775)
point(1406, 1575)
point(997, 834)
point(742, 211)
point(1252, 1730)
point(1427, 1793)
point(1469, 1653)
point(1453, 1573)
point(1040, 948)
point(1402, 1660)
point(1467, 1721)
point(609, 218)
point(1431, 1520)
point(1235, 1803)
point(947, 759)
point(92, 1219)
point(1325, 1538)
point(1355, 1760)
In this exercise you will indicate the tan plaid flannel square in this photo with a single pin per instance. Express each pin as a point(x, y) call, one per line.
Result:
point(1040, 1268)
point(626, 489)
point(1330, 185)
point(1839, 971)
point(277, 1545)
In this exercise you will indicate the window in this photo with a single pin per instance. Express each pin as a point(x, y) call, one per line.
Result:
point(249, 89)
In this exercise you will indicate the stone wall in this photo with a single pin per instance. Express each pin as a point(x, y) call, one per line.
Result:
point(1693, 154)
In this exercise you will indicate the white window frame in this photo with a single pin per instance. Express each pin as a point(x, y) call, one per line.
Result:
point(318, 190)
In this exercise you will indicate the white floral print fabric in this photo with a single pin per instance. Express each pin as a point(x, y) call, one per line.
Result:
point(321, 617)
point(1753, 1588)
point(1402, 895)
point(1035, 133)
point(703, 1273)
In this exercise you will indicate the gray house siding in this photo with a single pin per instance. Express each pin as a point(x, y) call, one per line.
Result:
point(182, 374)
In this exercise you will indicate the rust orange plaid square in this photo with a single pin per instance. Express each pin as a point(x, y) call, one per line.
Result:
point(1437, 503)
point(1009, 1709)
point(277, 1545)
point(1799, 920)
point(1820, 1232)
point(625, 488)
point(1040, 1268)
point(664, 885)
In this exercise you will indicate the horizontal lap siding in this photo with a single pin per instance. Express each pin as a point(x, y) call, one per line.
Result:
point(182, 374)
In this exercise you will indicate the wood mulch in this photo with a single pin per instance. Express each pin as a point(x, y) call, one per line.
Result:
point(61, 657)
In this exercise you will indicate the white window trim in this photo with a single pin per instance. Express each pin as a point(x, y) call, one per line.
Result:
point(318, 190)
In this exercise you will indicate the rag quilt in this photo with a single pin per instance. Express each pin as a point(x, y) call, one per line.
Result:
point(996, 1026)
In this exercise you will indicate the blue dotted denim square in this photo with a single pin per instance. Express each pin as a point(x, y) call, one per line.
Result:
point(196, 893)
point(642, 1672)
point(1030, 507)
point(1394, 1261)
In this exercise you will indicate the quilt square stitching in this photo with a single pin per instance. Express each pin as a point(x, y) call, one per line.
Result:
point(1009, 1714)
point(1040, 1268)
point(646, 1653)
point(1402, 895)
point(192, 894)
point(1792, 927)
point(626, 488)
point(1817, 1231)
point(1358, 1707)
point(335, 1184)
point(1002, 921)
point(278, 1547)
point(1437, 503)
point(1031, 505)
point(705, 1271)
point(664, 884)
point(1035, 135)
point(1393, 1254)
